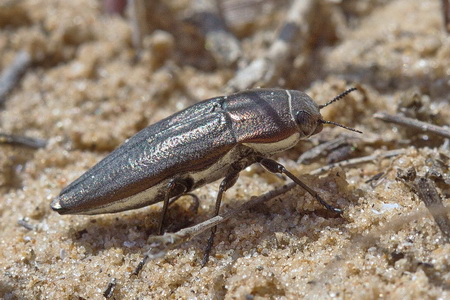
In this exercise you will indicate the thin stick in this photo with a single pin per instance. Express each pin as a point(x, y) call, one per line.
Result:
point(408, 122)
point(219, 41)
point(24, 223)
point(159, 245)
point(446, 13)
point(138, 20)
point(10, 77)
point(427, 192)
point(264, 71)
point(22, 141)
point(425, 188)
point(358, 160)
point(322, 149)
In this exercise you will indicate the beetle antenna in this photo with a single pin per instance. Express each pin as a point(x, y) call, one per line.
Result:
point(340, 125)
point(338, 97)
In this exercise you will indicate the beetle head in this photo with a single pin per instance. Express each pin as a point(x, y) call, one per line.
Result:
point(310, 122)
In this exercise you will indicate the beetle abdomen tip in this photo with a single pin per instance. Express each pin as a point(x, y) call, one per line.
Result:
point(56, 206)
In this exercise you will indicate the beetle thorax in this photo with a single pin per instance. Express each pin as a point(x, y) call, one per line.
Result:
point(265, 120)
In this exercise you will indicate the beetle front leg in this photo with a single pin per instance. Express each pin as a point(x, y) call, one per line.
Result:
point(276, 167)
point(226, 183)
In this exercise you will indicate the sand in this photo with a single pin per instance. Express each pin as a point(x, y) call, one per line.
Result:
point(85, 93)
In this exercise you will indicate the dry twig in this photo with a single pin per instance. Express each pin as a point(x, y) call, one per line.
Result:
point(446, 13)
point(24, 222)
point(323, 149)
point(358, 160)
point(138, 18)
point(22, 141)
point(263, 71)
point(425, 188)
point(408, 122)
point(11, 75)
point(222, 44)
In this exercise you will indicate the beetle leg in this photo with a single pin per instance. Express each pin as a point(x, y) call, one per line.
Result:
point(226, 183)
point(170, 186)
point(276, 167)
point(196, 205)
point(193, 208)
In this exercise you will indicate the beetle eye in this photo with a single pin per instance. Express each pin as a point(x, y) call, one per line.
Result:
point(306, 122)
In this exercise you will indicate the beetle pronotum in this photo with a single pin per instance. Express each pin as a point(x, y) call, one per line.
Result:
point(213, 139)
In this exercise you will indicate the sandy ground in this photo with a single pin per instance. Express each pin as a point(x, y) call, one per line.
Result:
point(86, 92)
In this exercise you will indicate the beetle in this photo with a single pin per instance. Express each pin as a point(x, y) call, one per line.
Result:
point(213, 139)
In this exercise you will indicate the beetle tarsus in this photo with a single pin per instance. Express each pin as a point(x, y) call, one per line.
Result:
point(276, 167)
point(209, 247)
point(140, 265)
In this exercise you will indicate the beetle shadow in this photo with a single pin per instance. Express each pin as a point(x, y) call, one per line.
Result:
point(258, 227)
point(130, 230)
point(279, 216)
